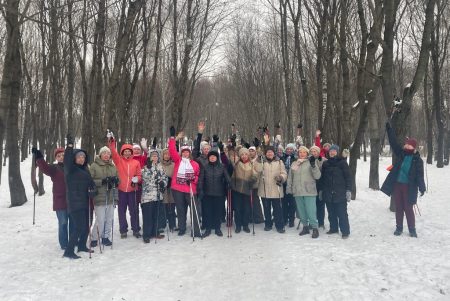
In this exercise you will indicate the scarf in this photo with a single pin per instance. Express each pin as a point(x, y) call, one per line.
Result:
point(185, 171)
point(296, 164)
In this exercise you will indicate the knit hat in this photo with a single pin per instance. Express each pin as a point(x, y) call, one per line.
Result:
point(325, 145)
point(153, 151)
point(280, 148)
point(290, 145)
point(57, 151)
point(314, 148)
point(78, 153)
point(185, 148)
point(334, 147)
point(412, 142)
point(213, 153)
point(104, 149)
point(303, 148)
point(243, 151)
point(135, 145)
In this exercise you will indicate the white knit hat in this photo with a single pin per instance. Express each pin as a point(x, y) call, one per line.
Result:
point(104, 149)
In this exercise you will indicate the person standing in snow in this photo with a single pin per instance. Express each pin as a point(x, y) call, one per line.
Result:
point(56, 173)
point(258, 215)
point(271, 175)
point(129, 171)
point(79, 188)
point(301, 183)
point(104, 174)
point(186, 172)
point(288, 205)
point(336, 185)
point(320, 204)
point(169, 203)
point(140, 155)
point(242, 180)
point(212, 186)
point(154, 183)
point(323, 149)
point(404, 181)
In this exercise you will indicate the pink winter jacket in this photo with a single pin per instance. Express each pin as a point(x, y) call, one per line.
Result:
point(177, 160)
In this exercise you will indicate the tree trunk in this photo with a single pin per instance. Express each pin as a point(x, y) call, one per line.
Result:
point(9, 101)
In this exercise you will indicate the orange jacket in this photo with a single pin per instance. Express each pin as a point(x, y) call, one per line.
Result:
point(126, 168)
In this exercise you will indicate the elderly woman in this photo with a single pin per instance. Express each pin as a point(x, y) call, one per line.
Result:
point(104, 174)
point(301, 184)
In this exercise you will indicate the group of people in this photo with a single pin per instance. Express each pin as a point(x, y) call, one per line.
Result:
point(217, 183)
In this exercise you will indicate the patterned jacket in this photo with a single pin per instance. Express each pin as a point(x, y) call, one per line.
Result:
point(151, 178)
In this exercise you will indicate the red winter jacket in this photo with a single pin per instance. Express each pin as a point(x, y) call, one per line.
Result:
point(142, 159)
point(323, 152)
point(126, 168)
point(177, 160)
point(56, 174)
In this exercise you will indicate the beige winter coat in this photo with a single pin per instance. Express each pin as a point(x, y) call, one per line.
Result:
point(267, 171)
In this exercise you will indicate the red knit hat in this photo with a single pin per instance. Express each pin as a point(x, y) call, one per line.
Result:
point(57, 151)
point(412, 142)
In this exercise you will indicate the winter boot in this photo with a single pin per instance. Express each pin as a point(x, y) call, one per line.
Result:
point(267, 228)
point(412, 232)
point(219, 233)
point(137, 234)
point(123, 235)
point(291, 224)
point(238, 230)
point(93, 244)
point(332, 232)
point(146, 240)
point(246, 229)
point(85, 250)
point(207, 233)
point(106, 242)
point(315, 233)
point(281, 230)
point(398, 231)
point(71, 255)
point(345, 236)
point(181, 232)
point(304, 231)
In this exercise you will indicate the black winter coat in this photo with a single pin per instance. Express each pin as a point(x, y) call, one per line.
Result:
point(214, 180)
point(78, 181)
point(336, 180)
point(415, 176)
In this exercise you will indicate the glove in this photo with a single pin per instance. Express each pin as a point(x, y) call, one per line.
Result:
point(256, 142)
point(106, 181)
point(172, 131)
point(278, 138)
point(422, 193)
point(188, 182)
point(134, 179)
point(348, 195)
point(109, 134)
point(215, 138)
point(144, 144)
point(247, 145)
point(154, 143)
point(320, 195)
point(37, 153)
point(388, 126)
point(221, 146)
point(312, 161)
point(320, 158)
point(299, 126)
point(92, 192)
point(69, 139)
point(114, 180)
point(279, 180)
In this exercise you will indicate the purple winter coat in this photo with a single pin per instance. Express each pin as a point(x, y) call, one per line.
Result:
point(56, 174)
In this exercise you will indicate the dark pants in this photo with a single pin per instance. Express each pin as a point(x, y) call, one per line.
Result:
point(80, 235)
point(268, 204)
point(149, 219)
point(128, 199)
point(288, 208)
point(320, 206)
point(138, 201)
point(170, 215)
point(65, 226)
point(337, 214)
point(257, 208)
point(242, 209)
point(182, 201)
point(212, 214)
point(403, 206)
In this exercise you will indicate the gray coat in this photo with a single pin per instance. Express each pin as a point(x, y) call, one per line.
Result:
point(302, 178)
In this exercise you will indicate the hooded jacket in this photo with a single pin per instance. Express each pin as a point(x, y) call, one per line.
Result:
point(127, 168)
point(78, 181)
point(177, 161)
point(56, 174)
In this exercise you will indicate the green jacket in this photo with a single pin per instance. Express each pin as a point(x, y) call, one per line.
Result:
point(302, 178)
point(100, 170)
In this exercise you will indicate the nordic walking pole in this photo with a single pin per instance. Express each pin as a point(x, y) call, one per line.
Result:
point(34, 184)
point(112, 221)
point(253, 211)
point(89, 222)
point(195, 210)
point(191, 213)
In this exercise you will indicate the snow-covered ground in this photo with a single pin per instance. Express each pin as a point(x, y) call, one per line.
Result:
point(372, 264)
